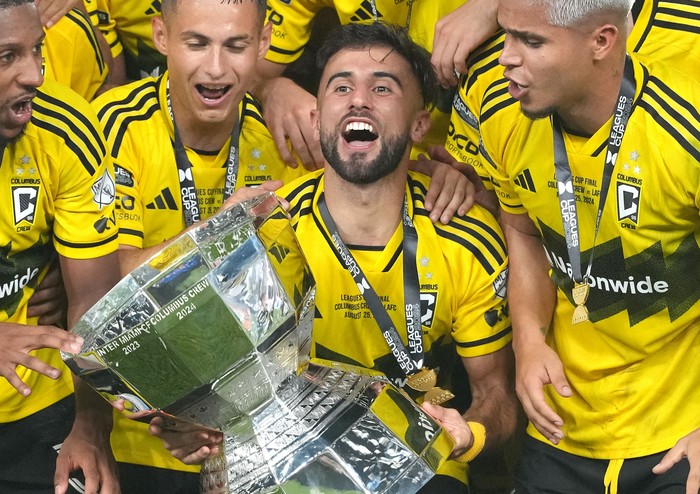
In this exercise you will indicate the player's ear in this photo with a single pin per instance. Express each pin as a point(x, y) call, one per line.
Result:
point(160, 35)
point(421, 125)
point(604, 39)
point(265, 37)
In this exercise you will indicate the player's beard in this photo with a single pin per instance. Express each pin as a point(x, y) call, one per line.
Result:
point(16, 138)
point(357, 169)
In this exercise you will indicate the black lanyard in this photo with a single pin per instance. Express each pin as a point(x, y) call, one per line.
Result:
point(409, 359)
point(567, 198)
point(188, 191)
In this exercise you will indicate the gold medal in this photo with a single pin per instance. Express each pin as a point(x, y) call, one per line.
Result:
point(580, 293)
point(580, 315)
point(423, 380)
point(438, 396)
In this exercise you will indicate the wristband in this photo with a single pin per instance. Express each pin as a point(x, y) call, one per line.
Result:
point(478, 442)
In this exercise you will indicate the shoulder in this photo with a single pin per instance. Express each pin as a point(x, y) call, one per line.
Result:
point(135, 97)
point(300, 193)
point(63, 118)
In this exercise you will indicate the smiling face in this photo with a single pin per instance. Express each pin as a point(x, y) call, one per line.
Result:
point(212, 49)
point(21, 36)
point(370, 110)
point(549, 67)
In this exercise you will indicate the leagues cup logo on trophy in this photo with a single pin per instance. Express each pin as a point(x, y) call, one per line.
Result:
point(215, 330)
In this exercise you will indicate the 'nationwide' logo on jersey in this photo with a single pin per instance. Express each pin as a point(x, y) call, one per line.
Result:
point(24, 203)
point(19, 271)
point(642, 284)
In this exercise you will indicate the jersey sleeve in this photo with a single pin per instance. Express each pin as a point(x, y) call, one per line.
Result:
point(72, 55)
point(497, 118)
point(481, 321)
point(84, 223)
point(291, 27)
point(103, 21)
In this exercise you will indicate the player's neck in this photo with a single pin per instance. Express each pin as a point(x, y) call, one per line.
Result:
point(366, 214)
point(596, 105)
point(202, 136)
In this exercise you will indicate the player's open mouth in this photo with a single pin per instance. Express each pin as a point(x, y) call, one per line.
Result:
point(212, 93)
point(359, 133)
point(22, 110)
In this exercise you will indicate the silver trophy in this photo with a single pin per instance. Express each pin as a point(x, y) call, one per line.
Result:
point(215, 330)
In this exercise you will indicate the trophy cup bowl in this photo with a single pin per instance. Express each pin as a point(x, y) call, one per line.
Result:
point(215, 330)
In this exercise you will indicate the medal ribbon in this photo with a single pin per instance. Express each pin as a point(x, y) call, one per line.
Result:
point(567, 198)
point(188, 191)
point(409, 359)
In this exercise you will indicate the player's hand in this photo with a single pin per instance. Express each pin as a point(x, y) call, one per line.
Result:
point(453, 422)
point(187, 442)
point(536, 366)
point(686, 447)
point(287, 112)
point(245, 193)
point(49, 300)
point(19, 339)
point(458, 34)
point(51, 11)
point(450, 191)
point(87, 448)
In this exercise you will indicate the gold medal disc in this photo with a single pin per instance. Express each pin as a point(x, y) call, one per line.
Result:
point(423, 380)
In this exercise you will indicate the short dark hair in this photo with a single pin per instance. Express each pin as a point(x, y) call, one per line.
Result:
point(359, 36)
point(170, 6)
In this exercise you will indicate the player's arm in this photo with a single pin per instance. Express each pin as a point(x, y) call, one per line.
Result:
point(458, 34)
point(87, 446)
point(532, 297)
point(492, 416)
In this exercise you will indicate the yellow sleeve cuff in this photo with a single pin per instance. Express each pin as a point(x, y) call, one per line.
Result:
point(479, 435)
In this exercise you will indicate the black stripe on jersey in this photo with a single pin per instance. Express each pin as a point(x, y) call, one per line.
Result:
point(69, 131)
point(469, 246)
point(252, 108)
point(85, 25)
point(677, 26)
point(679, 121)
point(480, 55)
point(649, 25)
point(282, 51)
point(87, 245)
point(149, 91)
point(393, 259)
point(296, 200)
point(128, 231)
point(485, 341)
point(492, 95)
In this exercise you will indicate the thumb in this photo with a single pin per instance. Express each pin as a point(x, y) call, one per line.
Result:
point(556, 377)
point(671, 458)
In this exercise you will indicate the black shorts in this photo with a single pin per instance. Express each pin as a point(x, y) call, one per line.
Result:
point(138, 479)
point(544, 469)
point(29, 448)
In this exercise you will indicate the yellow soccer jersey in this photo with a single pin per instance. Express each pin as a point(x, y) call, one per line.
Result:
point(631, 368)
point(58, 196)
point(668, 30)
point(72, 55)
point(126, 24)
point(140, 132)
point(462, 270)
point(463, 134)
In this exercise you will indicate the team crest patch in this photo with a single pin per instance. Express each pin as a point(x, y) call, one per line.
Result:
point(103, 190)
point(628, 202)
point(24, 203)
point(428, 302)
point(500, 284)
